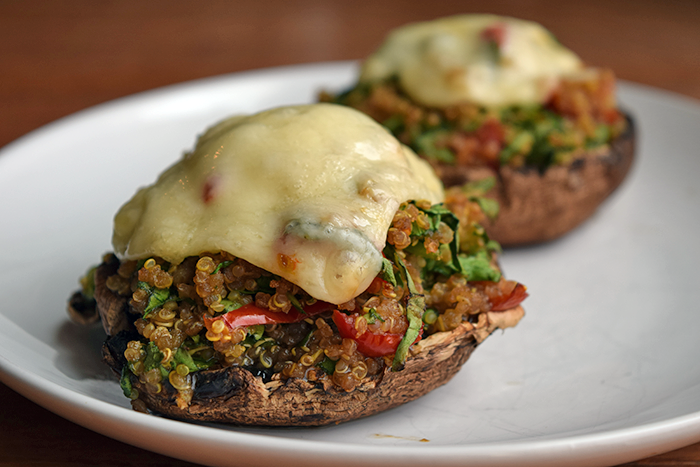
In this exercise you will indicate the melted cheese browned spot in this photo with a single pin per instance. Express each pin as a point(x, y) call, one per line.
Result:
point(305, 192)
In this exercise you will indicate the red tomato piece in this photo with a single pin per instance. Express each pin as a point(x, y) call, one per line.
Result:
point(491, 130)
point(509, 300)
point(370, 344)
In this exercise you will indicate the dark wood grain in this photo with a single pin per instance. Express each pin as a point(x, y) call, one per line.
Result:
point(60, 57)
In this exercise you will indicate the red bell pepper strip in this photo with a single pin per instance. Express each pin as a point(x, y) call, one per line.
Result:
point(251, 314)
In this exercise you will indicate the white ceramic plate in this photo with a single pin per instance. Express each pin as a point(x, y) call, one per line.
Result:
point(602, 370)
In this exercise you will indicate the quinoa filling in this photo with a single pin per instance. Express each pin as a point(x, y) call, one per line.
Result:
point(216, 310)
point(580, 116)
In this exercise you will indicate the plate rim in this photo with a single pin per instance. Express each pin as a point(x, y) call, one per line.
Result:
point(675, 432)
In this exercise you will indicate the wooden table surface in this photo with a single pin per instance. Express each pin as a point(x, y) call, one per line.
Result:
point(60, 57)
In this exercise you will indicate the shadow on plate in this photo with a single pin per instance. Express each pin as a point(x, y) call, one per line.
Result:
point(79, 351)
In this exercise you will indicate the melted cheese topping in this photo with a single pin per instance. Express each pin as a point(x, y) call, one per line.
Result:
point(305, 192)
point(484, 59)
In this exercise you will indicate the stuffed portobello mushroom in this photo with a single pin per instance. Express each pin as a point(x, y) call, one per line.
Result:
point(299, 267)
point(500, 100)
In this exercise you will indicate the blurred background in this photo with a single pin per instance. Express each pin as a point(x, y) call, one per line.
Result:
point(58, 57)
point(62, 56)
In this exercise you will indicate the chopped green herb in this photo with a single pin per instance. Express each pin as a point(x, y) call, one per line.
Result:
point(221, 265)
point(125, 381)
point(230, 305)
point(263, 283)
point(521, 144)
point(436, 266)
point(414, 310)
point(327, 365)
point(157, 299)
point(394, 123)
point(438, 214)
point(372, 316)
point(183, 357)
point(87, 283)
point(295, 303)
point(477, 267)
point(256, 331)
point(453, 223)
point(192, 361)
point(489, 206)
point(306, 339)
point(246, 292)
point(601, 135)
point(479, 187)
point(414, 313)
point(431, 146)
point(493, 245)
point(387, 272)
point(203, 363)
point(153, 356)
point(476, 191)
